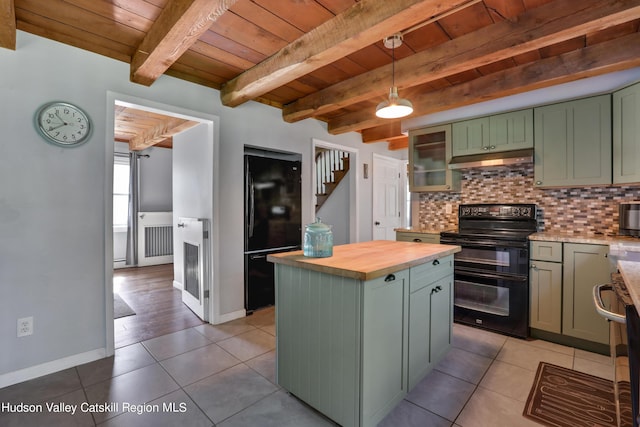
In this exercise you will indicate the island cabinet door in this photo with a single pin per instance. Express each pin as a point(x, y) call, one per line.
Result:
point(430, 327)
point(384, 349)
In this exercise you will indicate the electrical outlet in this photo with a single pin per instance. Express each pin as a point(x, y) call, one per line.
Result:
point(25, 326)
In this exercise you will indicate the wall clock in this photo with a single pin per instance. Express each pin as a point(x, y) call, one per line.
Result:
point(63, 124)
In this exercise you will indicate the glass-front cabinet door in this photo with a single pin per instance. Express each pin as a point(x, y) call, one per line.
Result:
point(429, 156)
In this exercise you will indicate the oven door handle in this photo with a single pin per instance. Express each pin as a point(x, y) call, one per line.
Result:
point(600, 308)
point(475, 273)
point(467, 243)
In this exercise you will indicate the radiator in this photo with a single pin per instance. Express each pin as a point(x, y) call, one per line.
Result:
point(155, 238)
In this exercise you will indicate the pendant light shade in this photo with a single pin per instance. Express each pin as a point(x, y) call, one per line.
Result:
point(394, 107)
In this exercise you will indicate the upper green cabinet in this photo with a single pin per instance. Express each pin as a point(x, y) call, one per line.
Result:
point(573, 143)
point(500, 132)
point(626, 135)
point(429, 155)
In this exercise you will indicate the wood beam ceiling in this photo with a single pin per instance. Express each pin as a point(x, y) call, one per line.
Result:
point(178, 27)
point(606, 57)
point(548, 24)
point(365, 23)
point(7, 24)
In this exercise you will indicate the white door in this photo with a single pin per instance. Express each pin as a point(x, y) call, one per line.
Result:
point(387, 197)
point(193, 236)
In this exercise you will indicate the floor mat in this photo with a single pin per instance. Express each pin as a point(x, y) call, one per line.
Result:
point(563, 397)
point(121, 308)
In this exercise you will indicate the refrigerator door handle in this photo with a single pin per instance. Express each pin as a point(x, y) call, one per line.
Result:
point(251, 205)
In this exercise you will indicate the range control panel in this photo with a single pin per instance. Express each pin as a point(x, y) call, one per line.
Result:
point(502, 211)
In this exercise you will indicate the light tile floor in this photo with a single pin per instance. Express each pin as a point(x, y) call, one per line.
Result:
point(225, 376)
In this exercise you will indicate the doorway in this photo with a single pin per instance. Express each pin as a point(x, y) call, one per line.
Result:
point(389, 196)
point(155, 275)
point(346, 212)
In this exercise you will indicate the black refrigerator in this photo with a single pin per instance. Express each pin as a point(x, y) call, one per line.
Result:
point(273, 218)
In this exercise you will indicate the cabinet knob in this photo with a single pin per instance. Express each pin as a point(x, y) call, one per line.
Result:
point(535, 267)
point(538, 182)
point(390, 278)
point(485, 148)
point(417, 240)
point(435, 262)
point(493, 147)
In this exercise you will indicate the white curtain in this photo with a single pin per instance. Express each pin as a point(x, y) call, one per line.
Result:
point(132, 222)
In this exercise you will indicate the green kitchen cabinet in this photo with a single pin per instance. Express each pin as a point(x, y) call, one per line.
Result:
point(429, 156)
point(572, 143)
point(499, 132)
point(470, 136)
point(430, 316)
point(545, 286)
point(585, 266)
point(626, 135)
point(412, 236)
point(344, 345)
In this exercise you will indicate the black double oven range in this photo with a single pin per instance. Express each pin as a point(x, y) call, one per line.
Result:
point(491, 273)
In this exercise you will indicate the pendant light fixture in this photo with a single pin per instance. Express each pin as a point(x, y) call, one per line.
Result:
point(394, 107)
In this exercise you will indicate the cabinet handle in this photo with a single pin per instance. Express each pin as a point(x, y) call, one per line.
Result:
point(390, 278)
point(417, 240)
point(535, 267)
point(435, 262)
point(538, 182)
point(493, 147)
point(438, 288)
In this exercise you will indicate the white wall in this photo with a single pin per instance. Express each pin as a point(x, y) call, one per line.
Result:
point(55, 244)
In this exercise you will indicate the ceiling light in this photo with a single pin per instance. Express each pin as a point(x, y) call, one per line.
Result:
point(394, 107)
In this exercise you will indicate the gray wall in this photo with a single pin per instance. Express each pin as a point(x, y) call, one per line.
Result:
point(55, 232)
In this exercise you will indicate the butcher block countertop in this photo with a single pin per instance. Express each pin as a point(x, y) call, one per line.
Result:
point(367, 260)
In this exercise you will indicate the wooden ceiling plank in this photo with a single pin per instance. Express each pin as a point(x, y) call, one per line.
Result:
point(179, 25)
point(359, 26)
point(558, 21)
point(7, 24)
point(607, 57)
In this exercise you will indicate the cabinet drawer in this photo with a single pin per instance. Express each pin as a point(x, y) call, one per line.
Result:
point(546, 251)
point(424, 274)
point(404, 236)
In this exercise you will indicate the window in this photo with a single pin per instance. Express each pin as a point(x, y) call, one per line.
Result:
point(120, 191)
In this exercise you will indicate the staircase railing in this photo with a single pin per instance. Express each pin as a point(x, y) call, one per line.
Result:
point(331, 167)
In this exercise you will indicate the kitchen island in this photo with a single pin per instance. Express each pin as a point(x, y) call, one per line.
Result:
point(356, 331)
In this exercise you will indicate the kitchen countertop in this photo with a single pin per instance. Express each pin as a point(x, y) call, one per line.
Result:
point(367, 260)
point(630, 271)
point(588, 238)
point(423, 230)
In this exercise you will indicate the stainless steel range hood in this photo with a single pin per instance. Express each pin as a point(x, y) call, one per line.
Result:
point(503, 158)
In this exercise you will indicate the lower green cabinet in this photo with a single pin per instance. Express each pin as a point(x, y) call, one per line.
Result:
point(353, 349)
point(430, 330)
point(584, 267)
point(561, 290)
point(384, 344)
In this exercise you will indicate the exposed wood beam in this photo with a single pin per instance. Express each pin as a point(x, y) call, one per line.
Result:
point(161, 134)
point(385, 132)
point(365, 23)
point(7, 24)
point(602, 58)
point(548, 24)
point(399, 144)
point(179, 25)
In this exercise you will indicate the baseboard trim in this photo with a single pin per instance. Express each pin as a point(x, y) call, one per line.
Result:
point(36, 371)
point(229, 316)
point(177, 285)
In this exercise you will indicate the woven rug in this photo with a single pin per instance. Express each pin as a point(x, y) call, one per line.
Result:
point(562, 397)
point(121, 308)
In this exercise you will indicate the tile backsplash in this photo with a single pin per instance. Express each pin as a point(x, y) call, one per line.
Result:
point(578, 210)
